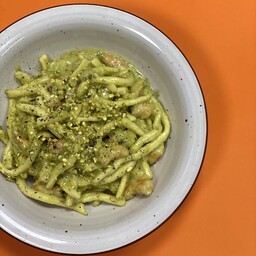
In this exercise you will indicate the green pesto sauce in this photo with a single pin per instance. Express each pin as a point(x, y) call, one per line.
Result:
point(78, 105)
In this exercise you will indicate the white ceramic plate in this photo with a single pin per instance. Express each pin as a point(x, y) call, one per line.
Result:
point(81, 26)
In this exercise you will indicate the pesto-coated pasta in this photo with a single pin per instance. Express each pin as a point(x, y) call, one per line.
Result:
point(86, 129)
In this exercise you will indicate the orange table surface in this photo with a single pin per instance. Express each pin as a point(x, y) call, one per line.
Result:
point(219, 39)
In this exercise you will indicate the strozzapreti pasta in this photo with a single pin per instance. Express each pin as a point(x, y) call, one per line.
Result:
point(87, 128)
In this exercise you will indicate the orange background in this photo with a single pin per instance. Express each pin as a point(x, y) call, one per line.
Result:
point(219, 39)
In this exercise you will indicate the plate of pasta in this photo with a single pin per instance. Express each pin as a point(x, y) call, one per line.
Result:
point(102, 129)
